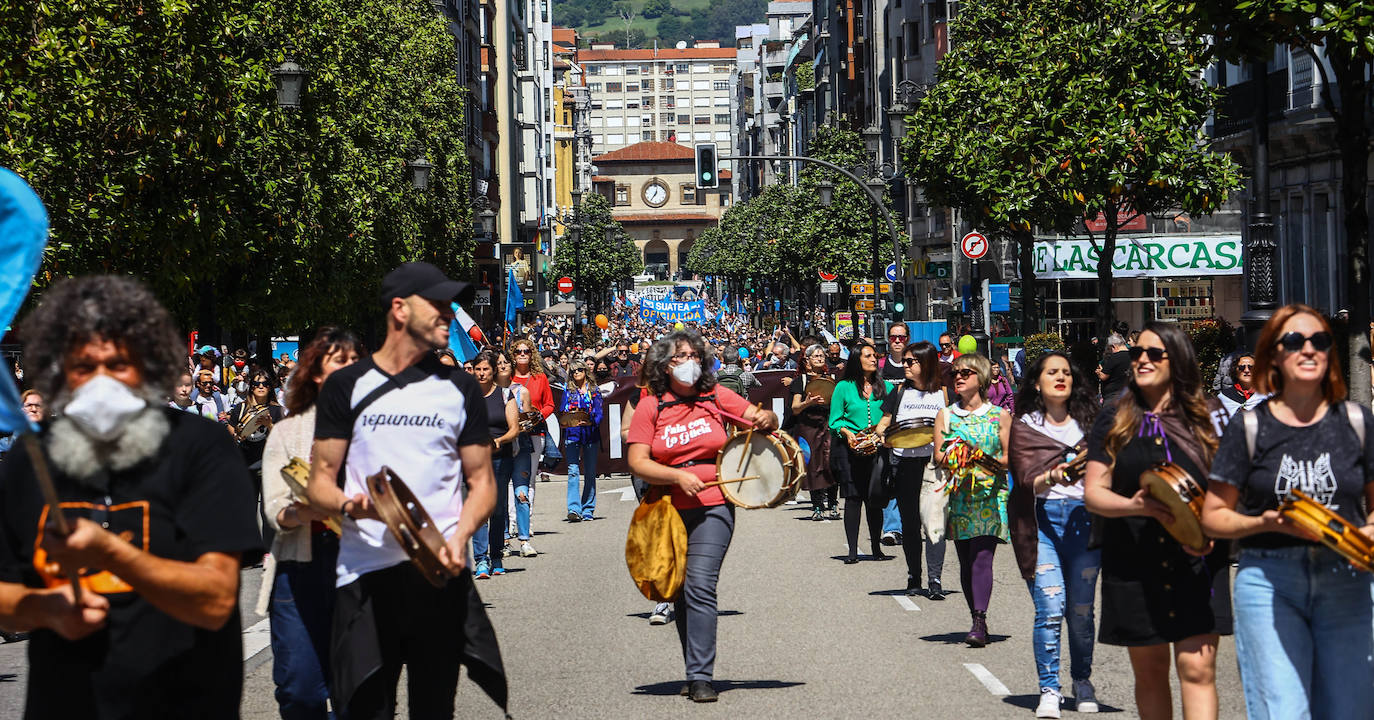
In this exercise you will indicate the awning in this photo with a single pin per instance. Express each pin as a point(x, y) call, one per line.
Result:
point(1141, 256)
point(563, 308)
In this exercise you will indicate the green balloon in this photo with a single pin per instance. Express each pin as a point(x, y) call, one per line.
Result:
point(967, 345)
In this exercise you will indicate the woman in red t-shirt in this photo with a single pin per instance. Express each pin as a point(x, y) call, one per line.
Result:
point(677, 431)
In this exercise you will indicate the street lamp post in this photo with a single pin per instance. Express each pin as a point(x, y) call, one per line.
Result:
point(419, 170)
point(290, 81)
point(1260, 247)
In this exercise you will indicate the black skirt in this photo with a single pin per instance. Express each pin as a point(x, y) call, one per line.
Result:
point(859, 476)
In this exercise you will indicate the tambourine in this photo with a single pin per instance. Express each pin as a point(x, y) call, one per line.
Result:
point(1173, 486)
point(296, 473)
point(821, 387)
point(865, 442)
point(256, 426)
point(912, 436)
point(1077, 464)
point(1329, 529)
point(575, 418)
point(530, 420)
point(409, 523)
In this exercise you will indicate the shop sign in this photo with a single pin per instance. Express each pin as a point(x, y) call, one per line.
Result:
point(925, 269)
point(1152, 256)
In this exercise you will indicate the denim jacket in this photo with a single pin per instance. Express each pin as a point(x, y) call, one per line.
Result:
point(573, 400)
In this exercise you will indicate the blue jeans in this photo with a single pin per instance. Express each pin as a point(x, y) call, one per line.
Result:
point(1065, 577)
point(301, 614)
point(495, 527)
point(1304, 637)
point(892, 519)
point(582, 477)
point(521, 476)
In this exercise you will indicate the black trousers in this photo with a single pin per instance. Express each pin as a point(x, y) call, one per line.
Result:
point(391, 618)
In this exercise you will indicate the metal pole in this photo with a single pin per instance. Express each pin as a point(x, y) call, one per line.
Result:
point(1261, 287)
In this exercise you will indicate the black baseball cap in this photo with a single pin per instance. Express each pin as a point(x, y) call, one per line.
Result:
point(427, 281)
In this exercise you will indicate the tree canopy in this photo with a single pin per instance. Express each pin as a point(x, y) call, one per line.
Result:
point(595, 261)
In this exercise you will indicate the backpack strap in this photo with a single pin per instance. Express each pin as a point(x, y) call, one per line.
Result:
point(1356, 417)
point(1251, 422)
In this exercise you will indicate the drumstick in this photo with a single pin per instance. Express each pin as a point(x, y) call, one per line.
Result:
point(748, 438)
point(725, 482)
point(40, 469)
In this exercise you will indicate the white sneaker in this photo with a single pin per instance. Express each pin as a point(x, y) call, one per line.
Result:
point(527, 550)
point(1049, 704)
point(1085, 696)
point(662, 612)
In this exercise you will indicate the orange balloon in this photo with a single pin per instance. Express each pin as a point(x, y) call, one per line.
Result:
point(634, 347)
point(475, 333)
point(602, 322)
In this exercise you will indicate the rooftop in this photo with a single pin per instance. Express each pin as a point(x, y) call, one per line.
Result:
point(659, 54)
point(647, 151)
point(662, 217)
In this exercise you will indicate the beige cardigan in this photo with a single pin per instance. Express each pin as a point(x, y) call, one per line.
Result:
point(292, 437)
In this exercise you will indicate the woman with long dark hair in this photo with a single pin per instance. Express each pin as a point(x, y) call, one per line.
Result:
point(915, 404)
point(677, 431)
point(304, 549)
point(1050, 526)
point(1303, 613)
point(811, 424)
point(504, 427)
point(1158, 598)
point(855, 409)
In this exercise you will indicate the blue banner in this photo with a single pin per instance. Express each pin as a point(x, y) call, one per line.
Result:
point(672, 310)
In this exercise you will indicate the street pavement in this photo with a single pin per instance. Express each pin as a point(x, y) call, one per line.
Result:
point(801, 634)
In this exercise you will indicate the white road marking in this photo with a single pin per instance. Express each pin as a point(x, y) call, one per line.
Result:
point(256, 639)
point(986, 677)
point(906, 603)
point(626, 493)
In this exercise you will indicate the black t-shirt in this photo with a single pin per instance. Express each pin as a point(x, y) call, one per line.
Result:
point(193, 497)
point(893, 370)
point(252, 446)
point(1324, 460)
point(496, 419)
point(1117, 367)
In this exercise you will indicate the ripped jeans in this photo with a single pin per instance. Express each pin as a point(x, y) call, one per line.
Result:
point(1065, 577)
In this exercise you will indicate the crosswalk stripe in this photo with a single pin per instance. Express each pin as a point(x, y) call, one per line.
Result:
point(256, 638)
point(906, 603)
point(986, 677)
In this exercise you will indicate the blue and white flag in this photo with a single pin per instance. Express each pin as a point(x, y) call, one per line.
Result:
point(459, 341)
point(23, 233)
point(514, 299)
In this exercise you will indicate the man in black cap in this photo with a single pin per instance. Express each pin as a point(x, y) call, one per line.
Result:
point(427, 422)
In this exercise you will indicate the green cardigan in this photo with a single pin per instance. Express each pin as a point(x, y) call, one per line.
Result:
point(850, 412)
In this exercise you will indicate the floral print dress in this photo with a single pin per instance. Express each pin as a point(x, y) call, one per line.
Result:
point(978, 498)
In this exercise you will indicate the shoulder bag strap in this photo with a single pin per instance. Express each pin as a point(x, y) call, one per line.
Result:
point(1251, 431)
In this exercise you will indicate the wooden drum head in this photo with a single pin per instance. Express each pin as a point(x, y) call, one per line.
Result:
point(409, 523)
point(823, 387)
point(1169, 484)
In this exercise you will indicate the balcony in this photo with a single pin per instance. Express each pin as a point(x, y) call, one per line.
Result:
point(773, 89)
point(1235, 110)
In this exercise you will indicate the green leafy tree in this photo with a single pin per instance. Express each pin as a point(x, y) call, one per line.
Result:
point(671, 29)
point(593, 260)
point(657, 8)
point(1049, 114)
point(1343, 33)
point(841, 237)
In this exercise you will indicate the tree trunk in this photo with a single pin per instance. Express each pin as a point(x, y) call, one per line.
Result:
point(1106, 311)
point(1353, 136)
point(1025, 256)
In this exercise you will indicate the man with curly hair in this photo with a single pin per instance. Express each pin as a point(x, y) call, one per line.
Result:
point(160, 509)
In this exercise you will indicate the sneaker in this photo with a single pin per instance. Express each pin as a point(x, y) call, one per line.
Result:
point(817, 515)
point(588, 518)
point(506, 551)
point(935, 592)
point(1085, 697)
point(498, 570)
point(913, 586)
point(574, 517)
point(661, 614)
point(834, 514)
point(483, 570)
point(889, 538)
point(527, 550)
point(1049, 704)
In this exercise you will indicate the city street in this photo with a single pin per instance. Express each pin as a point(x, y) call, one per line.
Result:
point(801, 634)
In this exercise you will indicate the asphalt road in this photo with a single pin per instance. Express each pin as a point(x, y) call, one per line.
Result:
point(801, 634)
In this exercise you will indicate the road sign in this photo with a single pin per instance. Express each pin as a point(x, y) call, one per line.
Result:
point(863, 304)
point(974, 245)
point(867, 288)
point(565, 285)
point(827, 276)
point(891, 272)
point(830, 288)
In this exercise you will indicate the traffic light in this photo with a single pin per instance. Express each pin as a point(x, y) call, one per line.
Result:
point(898, 301)
point(707, 177)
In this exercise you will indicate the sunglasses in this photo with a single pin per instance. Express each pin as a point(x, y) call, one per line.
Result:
point(965, 372)
point(579, 370)
point(258, 383)
point(910, 361)
point(522, 352)
point(1156, 354)
point(1294, 341)
point(1244, 368)
point(896, 337)
point(945, 345)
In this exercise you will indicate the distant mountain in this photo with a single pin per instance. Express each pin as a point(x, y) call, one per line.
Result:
point(638, 23)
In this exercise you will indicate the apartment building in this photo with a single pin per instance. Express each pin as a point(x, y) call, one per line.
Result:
point(679, 95)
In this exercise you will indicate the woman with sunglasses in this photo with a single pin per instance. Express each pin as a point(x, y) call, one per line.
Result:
point(261, 401)
point(977, 495)
point(915, 404)
point(1050, 525)
point(1303, 613)
point(811, 424)
point(856, 406)
point(677, 431)
point(1159, 599)
point(1242, 386)
point(582, 443)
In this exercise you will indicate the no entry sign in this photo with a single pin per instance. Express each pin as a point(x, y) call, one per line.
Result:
point(827, 276)
point(974, 245)
point(565, 285)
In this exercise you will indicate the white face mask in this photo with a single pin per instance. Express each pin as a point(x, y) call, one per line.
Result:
point(688, 372)
point(103, 406)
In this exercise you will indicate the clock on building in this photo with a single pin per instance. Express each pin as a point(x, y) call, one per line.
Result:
point(655, 193)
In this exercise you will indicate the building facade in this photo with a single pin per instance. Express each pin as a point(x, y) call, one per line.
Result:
point(677, 95)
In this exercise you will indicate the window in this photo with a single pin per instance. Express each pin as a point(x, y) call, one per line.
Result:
point(646, 69)
point(683, 67)
point(913, 39)
point(701, 102)
point(593, 69)
point(722, 136)
point(632, 104)
point(699, 68)
point(631, 87)
point(666, 84)
point(720, 68)
point(612, 69)
point(615, 121)
point(596, 104)
point(615, 139)
point(667, 119)
point(633, 121)
point(615, 87)
point(647, 136)
point(598, 121)
point(687, 194)
point(648, 119)
point(615, 104)
point(647, 102)
point(722, 197)
point(701, 120)
point(720, 85)
point(594, 87)
point(684, 119)
point(669, 101)
point(723, 101)
point(684, 137)
point(722, 119)
point(701, 85)
point(631, 70)
point(744, 43)
point(622, 194)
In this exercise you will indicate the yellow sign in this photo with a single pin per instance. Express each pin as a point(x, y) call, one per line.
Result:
point(867, 288)
point(864, 304)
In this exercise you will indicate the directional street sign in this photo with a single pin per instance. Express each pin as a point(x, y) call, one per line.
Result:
point(830, 288)
point(891, 272)
point(974, 245)
point(867, 288)
point(827, 276)
point(863, 304)
point(565, 285)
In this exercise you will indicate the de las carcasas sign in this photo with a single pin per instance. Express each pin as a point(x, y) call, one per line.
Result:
point(1141, 256)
